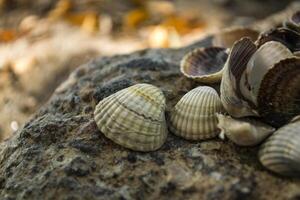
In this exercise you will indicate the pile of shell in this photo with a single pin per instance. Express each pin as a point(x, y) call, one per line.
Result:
point(259, 76)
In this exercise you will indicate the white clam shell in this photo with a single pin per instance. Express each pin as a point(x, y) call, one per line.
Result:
point(233, 101)
point(194, 116)
point(134, 117)
point(243, 132)
point(262, 60)
point(281, 152)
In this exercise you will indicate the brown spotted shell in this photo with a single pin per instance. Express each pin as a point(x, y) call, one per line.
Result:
point(134, 117)
point(281, 152)
point(204, 64)
point(227, 37)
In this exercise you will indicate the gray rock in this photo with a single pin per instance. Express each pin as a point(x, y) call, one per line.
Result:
point(60, 153)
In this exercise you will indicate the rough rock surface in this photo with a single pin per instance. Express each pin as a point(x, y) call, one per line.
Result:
point(60, 154)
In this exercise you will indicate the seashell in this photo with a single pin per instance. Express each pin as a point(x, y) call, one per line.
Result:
point(294, 22)
point(231, 95)
point(134, 117)
point(297, 53)
point(259, 64)
point(287, 37)
point(204, 64)
point(227, 37)
point(194, 116)
point(279, 93)
point(243, 132)
point(281, 152)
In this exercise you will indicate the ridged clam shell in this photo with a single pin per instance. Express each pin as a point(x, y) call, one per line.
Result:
point(134, 117)
point(227, 37)
point(231, 96)
point(194, 116)
point(279, 93)
point(281, 152)
point(259, 64)
point(289, 38)
point(243, 132)
point(204, 64)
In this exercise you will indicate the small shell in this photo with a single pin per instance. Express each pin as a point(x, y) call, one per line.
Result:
point(204, 64)
point(294, 22)
point(134, 117)
point(281, 152)
point(289, 38)
point(259, 64)
point(194, 116)
point(227, 37)
point(279, 93)
point(231, 96)
point(243, 132)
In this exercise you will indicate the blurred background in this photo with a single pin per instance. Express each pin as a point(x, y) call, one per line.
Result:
point(42, 41)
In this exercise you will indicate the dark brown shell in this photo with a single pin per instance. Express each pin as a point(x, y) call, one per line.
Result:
point(204, 64)
point(290, 38)
point(227, 37)
point(279, 94)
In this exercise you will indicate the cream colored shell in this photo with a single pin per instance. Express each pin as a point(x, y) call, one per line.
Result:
point(243, 132)
point(281, 152)
point(134, 117)
point(233, 101)
point(194, 116)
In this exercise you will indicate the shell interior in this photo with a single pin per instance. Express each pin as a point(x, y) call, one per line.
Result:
point(204, 64)
point(231, 92)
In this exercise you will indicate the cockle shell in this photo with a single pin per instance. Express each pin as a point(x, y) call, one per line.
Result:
point(194, 116)
point(290, 38)
point(243, 132)
point(281, 152)
point(278, 99)
point(134, 117)
point(231, 94)
point(294, 22)
point(262, 60)
point(227, 37)
point(204, 64)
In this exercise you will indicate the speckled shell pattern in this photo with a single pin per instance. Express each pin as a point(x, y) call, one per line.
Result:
point(134, 117)
point(194, 116)
point(281, 152)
